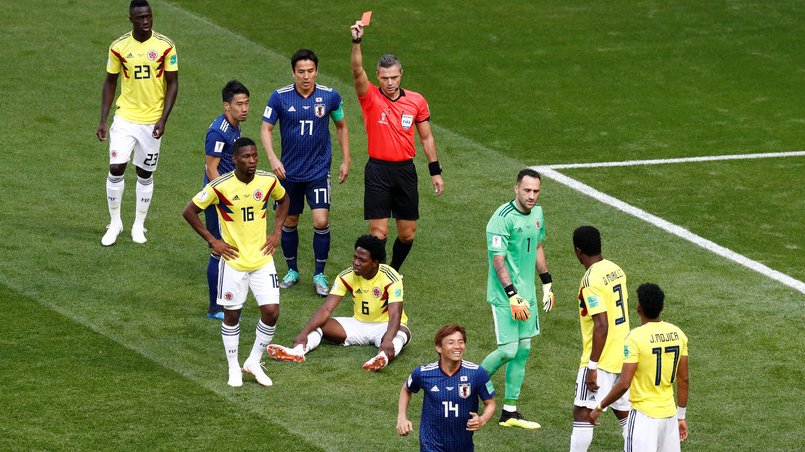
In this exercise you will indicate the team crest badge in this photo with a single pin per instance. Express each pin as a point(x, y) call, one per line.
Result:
point(318, 110)
point(152, 55)
point(228, 296)
point(407, 121)
point(376, 292)
point(114, 154)
point(258, 194)
point(464, 390)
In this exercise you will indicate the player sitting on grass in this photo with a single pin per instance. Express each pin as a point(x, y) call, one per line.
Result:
point(378, 318)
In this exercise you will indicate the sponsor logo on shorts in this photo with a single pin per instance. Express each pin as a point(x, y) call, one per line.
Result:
point(407, 121)
point(114, 154)
point(376, 292)
point(228, 296)
point(318, 110)
point(152, 55)
point(258, 194)
point(464, 390)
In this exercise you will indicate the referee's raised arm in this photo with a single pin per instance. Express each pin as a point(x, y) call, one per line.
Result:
point(359, 77)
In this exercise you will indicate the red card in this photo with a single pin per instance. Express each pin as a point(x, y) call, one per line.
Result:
point(366, 18)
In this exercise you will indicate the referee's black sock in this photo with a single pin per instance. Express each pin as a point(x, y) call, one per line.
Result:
point(399, 253)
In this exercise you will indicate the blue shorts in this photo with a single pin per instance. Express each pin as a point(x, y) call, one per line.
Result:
point(317, 193)
point(211, 218)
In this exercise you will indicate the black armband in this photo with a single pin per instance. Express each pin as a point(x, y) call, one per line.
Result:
point(510, 290)
point(435, 168)
point(545, 278)
point(356, 41)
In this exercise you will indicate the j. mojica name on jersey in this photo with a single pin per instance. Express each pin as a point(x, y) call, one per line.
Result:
point(667, 337)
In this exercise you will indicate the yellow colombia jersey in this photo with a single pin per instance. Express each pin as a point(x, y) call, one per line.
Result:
point(656, 347)
point(371, 297)
point(143, 66)
point(242, 212)
point(603, 289)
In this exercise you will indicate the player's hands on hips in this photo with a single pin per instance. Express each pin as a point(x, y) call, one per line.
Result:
point(270, 246)
point(595, 414)
point(475, 422)
point(519, 307)
point(404, 426)
point(591, 380)
point(548, 300)
point(438, 184)
point(277, 168)
point(357, 30)
point(343, 172)
point(159, 129)
point(101, 132)
point(227, 251)
point(683, 430)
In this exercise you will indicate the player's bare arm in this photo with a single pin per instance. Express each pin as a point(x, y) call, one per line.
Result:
point(342, 136)
point(600, 332)
point(211, 166)
point(274, 238)
point(359, 78)
point(219, 247)
point(107, 96)
point(682, 394)
point(542, 262)
point(502, 271)
point(266, 138)
point(476, 422)
point(319, 318)
point(395, 315)
point(429, 147)
point(404, 426)
point(171, 90)
point(618, 389)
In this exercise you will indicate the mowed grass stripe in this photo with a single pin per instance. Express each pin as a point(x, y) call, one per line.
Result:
point(66, 386)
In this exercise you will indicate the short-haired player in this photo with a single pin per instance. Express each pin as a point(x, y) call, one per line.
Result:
point(451, 388)
point(656, 356)
point(243, 199)
point(378, 317)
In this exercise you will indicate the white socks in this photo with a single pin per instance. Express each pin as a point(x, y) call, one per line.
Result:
point(145, 189)
point(581, 437)
point(263, 336)
point(114, 197)
point(231, 338)
point(313, 340)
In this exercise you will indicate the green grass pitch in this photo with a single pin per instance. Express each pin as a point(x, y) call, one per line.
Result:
point(109, 348)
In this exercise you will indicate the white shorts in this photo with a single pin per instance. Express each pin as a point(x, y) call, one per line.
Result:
point(590, 399)
point(126, 136)
point(362, 333)
point(234, 285)
point(648, 434)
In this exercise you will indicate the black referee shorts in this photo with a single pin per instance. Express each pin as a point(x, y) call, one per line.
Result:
point(390, 190)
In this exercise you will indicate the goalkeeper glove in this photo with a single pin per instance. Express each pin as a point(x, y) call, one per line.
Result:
point(548, 299)
point(518, 304)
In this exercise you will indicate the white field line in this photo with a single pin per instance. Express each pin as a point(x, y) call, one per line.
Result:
point(550, 172)
point(679, 160)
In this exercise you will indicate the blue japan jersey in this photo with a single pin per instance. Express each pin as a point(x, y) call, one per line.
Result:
point(447, 403)
point(220, 137)
point(304, 129)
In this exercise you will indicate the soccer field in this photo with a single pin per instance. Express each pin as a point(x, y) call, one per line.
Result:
point(108, 348)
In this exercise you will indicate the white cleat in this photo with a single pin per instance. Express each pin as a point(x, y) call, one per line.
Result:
point(378, 362)
point(281, 353)
point(110, 237)
point(235, 377)
point(256, 369)
point(138, 234)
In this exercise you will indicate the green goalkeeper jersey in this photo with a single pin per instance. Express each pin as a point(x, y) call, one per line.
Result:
point(514, 234)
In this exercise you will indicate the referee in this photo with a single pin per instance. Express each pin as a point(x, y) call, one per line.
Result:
point(390, 180)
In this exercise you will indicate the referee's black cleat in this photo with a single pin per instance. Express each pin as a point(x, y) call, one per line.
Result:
point(515, 419)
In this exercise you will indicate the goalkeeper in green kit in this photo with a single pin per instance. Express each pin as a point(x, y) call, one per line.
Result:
point(514, 237)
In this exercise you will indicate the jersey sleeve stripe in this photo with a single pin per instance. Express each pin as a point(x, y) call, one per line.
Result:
point(122, 38)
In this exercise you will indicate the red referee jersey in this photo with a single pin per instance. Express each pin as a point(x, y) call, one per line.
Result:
point(390, 124)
